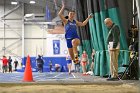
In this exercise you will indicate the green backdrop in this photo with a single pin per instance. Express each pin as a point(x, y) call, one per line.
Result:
point(94, 35)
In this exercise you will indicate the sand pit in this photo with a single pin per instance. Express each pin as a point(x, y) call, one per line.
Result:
point(124, 88)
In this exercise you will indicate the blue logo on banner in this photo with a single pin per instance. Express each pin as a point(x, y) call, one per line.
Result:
point(56, 46)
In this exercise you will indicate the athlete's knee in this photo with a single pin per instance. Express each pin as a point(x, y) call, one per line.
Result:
point(75, 42)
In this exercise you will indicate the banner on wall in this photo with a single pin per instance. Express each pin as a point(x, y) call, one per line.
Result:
point(56, 47)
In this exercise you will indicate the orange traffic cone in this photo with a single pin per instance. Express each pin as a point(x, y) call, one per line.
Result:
point(28, 71)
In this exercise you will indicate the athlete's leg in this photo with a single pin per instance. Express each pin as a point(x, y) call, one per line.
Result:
point(75, 43)
point(71, 53)
point(84, 67)
point(70, 49)
point(69, 67)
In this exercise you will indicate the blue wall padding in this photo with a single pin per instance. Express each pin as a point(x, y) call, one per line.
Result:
point(55, 60)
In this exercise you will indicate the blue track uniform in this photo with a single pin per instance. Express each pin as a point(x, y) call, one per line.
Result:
point(70, 32)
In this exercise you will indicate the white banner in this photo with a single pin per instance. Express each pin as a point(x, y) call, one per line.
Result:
point(51, 44)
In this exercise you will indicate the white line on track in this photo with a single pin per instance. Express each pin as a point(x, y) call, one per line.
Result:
point(73, 75)
point(57, 75)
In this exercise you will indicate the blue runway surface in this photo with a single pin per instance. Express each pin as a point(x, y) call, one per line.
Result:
point(37, 77)
point(58, 78)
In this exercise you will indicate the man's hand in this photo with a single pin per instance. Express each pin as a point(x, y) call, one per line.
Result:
point(112, 49)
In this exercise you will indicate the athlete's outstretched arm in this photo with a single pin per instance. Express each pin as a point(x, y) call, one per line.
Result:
point(85, 22)
point(60, 14)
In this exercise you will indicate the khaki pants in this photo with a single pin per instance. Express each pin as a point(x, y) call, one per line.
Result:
point(114, 63)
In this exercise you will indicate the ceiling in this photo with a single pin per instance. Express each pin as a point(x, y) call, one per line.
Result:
point(69, 4)
point(43, 3)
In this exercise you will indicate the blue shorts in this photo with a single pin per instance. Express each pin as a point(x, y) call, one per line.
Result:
point(69, 42)
point(69, 61)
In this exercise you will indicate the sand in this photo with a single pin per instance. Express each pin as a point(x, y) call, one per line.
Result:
point(123, 88)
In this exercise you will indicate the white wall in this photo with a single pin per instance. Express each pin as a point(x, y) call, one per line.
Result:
point(34, 44)
point(12, 29)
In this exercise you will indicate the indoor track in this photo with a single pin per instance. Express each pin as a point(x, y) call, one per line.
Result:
point(54, 82)
point(39, 77)
point(58, 77)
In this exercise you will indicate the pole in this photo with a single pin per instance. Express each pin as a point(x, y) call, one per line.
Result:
point(23, 34)
point(138, 10)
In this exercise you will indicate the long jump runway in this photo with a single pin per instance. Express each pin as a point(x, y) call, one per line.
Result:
point(51, 77)
point(58, 78)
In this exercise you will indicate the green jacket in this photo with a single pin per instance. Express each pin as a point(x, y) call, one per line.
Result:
point(114, 35)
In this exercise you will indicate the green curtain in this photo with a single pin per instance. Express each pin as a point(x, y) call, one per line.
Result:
point(84, 32)
point(98, 33)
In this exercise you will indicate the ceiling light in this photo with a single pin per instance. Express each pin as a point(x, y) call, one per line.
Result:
point(32, 2)
point(29, 15)
point(14, 3)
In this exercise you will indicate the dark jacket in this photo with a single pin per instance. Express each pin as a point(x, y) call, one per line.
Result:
point(40, 61)
point(114, 35)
